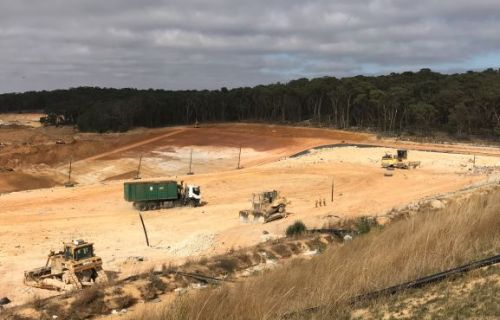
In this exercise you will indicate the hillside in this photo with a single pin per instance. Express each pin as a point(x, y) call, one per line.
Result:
point(429, 242)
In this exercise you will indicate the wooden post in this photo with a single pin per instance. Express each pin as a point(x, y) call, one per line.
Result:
point(68, 183)
point(138, 175)
point(69, 171)
point(333, 187)
point(144, 228)
point(239, 159)
point(190, 162)
point(474, 163)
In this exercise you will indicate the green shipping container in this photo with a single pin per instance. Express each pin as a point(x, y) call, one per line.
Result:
point(150, 190)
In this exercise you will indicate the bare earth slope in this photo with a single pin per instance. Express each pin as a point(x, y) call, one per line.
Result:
point(34, 222)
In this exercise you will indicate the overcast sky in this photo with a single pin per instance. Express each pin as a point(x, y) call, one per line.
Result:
point(214, 43)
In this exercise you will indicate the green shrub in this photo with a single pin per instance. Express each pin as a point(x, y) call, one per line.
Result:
point(363, 225)
point(228, 264)
point(297, 228)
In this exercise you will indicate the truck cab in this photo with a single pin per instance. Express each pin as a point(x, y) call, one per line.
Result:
point(194, 193)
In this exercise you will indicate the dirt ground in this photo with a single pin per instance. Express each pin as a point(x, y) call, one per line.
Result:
point(35, 221)
point(21, 119)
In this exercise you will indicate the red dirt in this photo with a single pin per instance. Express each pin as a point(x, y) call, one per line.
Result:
point(32, 223)
point(16, 181)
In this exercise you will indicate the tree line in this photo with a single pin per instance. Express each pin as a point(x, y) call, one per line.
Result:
point(412, 102)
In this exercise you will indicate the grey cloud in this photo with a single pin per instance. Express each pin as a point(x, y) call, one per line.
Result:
point(209, 44)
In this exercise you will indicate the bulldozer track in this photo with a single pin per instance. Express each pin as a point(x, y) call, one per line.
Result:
point(417, 283)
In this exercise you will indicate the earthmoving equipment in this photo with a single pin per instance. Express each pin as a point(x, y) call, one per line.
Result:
point(398, 160)
point(75, 267)
point(266, 206)
point(152, 195)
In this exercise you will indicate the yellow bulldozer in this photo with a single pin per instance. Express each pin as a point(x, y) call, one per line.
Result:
point(398, 160)
point(74, 268)
point(266, 206)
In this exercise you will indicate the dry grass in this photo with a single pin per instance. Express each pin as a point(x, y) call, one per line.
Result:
point(153, 286)
point(88, 302)
point(124, 301)
point(402, 251)
point(472, 296)
point(37, 302)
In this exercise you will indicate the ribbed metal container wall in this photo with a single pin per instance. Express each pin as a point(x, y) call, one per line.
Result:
point(153, 190)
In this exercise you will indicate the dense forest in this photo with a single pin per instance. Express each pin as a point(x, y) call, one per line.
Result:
point(410, 102)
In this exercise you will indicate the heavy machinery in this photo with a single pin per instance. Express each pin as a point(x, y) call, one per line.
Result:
point(399, 160)
point(152, 195)
point(266, 206)
point(74, 268)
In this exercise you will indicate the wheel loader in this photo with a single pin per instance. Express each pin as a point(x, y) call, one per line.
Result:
point(74, 268)
point(266, 206)
point(399, 160)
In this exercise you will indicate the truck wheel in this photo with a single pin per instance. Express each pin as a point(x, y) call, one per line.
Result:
point(281, 208)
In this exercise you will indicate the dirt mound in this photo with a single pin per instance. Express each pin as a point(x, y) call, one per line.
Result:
point(256, 136)
point(123, 176)
point(21, 119)
point(17, 181)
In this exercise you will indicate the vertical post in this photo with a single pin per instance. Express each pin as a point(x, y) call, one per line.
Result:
point(239, 159)
point(68, 183)
point(190, 162)
point(138, 175)
point(69, 171)
point(474, 163)
point(144, 228)
point(333, 187)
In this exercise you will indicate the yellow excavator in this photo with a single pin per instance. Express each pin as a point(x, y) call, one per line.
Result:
point(398, 160)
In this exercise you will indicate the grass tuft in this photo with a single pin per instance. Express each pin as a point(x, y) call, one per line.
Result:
point(296, 229)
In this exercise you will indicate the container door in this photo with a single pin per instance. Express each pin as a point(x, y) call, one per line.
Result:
point(162, 191)
point(171, 191)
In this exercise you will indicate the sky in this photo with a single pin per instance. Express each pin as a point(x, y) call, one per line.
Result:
point(209, 44)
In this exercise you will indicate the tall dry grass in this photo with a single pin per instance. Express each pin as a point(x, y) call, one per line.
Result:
point(429, 242)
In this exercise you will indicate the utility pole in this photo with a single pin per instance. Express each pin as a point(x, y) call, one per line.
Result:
point(190, 163)
point(239, 159)
point(144, 228)
point(138, 175)
point(333, 187)
point(69, 183)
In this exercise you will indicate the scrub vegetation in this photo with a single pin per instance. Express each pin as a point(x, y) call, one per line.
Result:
point(430, 242)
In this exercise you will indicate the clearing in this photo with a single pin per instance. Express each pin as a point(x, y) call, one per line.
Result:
point(32, 222)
